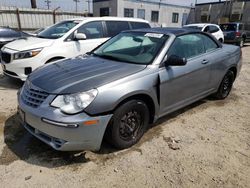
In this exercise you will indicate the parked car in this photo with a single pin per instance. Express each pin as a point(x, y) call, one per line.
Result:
point(65, 39)
point(36, 32)
point(209, 28)
point(7, 35)
point(120, 87)
point(235, 33)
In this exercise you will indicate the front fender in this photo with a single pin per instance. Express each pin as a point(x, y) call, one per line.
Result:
point(111, 95)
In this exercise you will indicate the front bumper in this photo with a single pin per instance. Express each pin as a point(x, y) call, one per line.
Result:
point(20, 68)
point(82, 137)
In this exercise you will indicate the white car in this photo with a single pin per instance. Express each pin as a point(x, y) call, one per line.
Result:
point(209, 28)
point(65, 39)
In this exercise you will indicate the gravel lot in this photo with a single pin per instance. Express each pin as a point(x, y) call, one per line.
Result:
point(206, 144)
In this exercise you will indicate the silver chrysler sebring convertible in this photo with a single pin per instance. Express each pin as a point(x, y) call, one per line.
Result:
point(125, 84)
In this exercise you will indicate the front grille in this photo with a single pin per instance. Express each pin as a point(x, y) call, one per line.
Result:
point(6, 57)
point(33, 96)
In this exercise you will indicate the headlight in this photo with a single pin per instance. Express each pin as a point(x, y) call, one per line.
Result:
point(27, 54)
point(74, 103)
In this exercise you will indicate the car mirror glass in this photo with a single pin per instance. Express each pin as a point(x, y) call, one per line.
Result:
point(175, 60)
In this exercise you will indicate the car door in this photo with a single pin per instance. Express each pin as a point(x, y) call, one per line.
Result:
point(94, 37)
point(181, 85)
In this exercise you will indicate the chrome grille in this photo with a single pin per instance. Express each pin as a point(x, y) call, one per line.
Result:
point(33, 96)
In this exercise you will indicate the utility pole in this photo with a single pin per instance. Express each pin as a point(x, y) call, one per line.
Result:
point(33, 3)
point(47, 3)
point(76, 1)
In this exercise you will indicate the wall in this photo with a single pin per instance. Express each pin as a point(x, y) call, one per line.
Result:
point(31, 19)
point(165, 10)
point(102, 4)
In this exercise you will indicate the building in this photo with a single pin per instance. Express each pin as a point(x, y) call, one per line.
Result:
point(158, 13)
point(220, 12)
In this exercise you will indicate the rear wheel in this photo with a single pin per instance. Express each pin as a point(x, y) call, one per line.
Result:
point(128, 124)
point(241, 42)
point(225, 86)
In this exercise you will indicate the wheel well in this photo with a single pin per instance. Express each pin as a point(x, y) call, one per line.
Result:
point(234, 71)
point(145, 98)
point(54, 59)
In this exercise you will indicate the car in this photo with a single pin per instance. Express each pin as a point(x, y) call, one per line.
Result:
point(209, 28)
point(8, 35)
point(124, 85)
point(235, 33)
point(66, 39)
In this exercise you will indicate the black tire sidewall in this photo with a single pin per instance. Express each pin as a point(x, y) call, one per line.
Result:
point(221, 94)
point(141, 108)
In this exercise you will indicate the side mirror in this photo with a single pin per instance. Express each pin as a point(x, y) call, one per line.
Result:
point(80, 36)
point(174, 60)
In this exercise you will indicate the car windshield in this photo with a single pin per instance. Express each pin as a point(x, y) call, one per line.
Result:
point(228, 27)
point(193, 27)
point(58, 30)
point(132, 47)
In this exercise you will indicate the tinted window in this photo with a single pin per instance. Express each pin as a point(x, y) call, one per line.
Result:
point(115, 27)
point(228, 27)
point(104, 11)
point(92, 30)
point(213, 29)
point(154, 16)
point(128, 12)
point(206, 29)
point(138, 25)
point(209, 43)
point(240, 26)
point(175, 17)
point(187, 46)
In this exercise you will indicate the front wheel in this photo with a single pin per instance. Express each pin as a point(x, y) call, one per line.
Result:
point(225, 86)
point(128, 124)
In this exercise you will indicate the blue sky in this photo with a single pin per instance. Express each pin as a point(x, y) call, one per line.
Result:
point(69, 5)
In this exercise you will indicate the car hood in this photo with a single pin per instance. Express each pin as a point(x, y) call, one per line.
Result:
point(80, 74)
point(28, 43)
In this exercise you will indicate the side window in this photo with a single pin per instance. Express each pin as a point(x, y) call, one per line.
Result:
point(92, 30)
point(138, 25)
point(206, 29)
point(240, 27)
point(187, 46)
point(209, 43)
point(115, 27)
point(213, 29)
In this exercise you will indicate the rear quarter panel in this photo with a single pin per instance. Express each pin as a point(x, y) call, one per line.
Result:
point(227, 57)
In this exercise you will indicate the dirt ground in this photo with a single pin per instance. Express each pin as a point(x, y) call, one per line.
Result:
point(206, 144)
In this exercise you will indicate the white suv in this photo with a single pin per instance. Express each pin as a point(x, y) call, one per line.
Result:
point(209, 28)
point(65, 39)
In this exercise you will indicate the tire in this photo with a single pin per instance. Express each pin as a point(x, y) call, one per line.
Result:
point(225, 86)
point(128, 124)
point(241, 42)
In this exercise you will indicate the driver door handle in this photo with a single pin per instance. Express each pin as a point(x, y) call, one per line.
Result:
point(204, 62)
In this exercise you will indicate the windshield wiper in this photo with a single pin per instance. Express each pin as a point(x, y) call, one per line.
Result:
point(105, 56)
